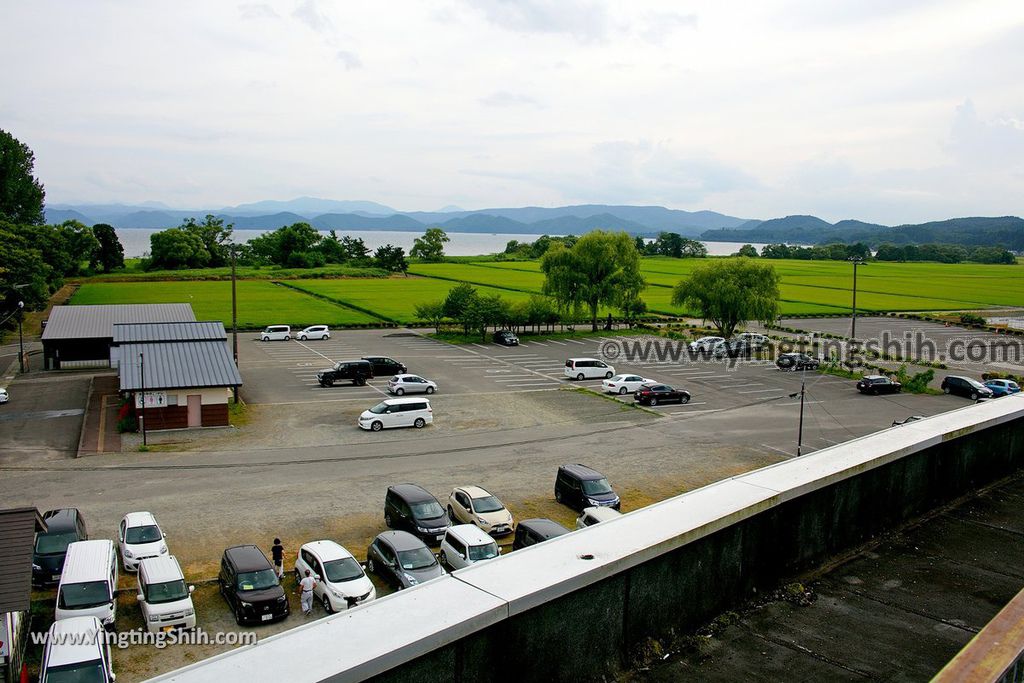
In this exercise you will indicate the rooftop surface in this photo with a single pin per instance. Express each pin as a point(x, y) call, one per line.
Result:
point(97, 322)
point(898, 610)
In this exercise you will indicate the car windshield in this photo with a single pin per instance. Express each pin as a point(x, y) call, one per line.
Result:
point(379, 409)
point(594, 487)
point(84, 595)
point(257, 581)
point(487, 504)
point(483, 552)
point(169, 591)
point(51, 544)
point(142, 534)
point(345, 569)
point(420, 558)
point(79, 672)
point(427, 510)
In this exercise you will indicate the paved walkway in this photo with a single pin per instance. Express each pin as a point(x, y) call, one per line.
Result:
point(99, 430)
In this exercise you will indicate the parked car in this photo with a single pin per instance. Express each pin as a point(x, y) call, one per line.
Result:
point(139, 537)
point(756, 341)
point(341, 582)
point(1002, 387)
point(533, 531)
point(64, 526)
point(587, 368)
point(315, 332)
point(250, 586)
point(505, 338)
point(474, 505)
point(877, 384)
point(466, 544)
point(797, 361)
point(965, 386)
point(402, 560)
point(355, 371)
point(654, 394)
point(4, 396)
point(76, 650)
point(705, 344)
point(88, 584)
point(165, 600)
point(579, 487)
point(624, 384)
point(410, 384)
point(413, 509)
point(733, 348)
point(397, 412)
point(595, 515)
point(276, 333)
point(384, 366)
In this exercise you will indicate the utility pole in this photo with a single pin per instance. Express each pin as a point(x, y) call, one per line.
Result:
point(142, 411)
point(21, 339)
point(234, 316)
point(800, 432)
point(856, 261)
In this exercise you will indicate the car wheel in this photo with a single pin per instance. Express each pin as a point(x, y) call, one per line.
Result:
point(579, 377)
point(360, 381)
point(376, 426)
point(399, 391)
point(387, 519)
point(430, 390)
point(329, 382)
point(302, 338)
point(607, 375)
point(653, 401)
point(451, 514)
point(945, 390)
point(622, 390)
point(420, 423)
point(685, 399)
point(443, 558)
point(264, 338)
point(327, 604)
point(874, 392)
point(238, 617)
point(370, 566)
point(974, 395)
point(298, 576)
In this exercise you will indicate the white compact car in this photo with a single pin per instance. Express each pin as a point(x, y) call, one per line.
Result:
point(139, 537)
point(397, 412)
point(474, 505)
point(410, 384)
point(76, 650)
point(706, 344)
point(4, 396)
point(595, 515)
point(587, 368)
point(467, 544)
point(756, 341)
point(341, 582)
point(314, 332)
point(165, 600)
point(624, 384)
point(276, 333)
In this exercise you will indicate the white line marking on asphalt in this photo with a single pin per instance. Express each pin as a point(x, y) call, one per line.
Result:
point(479, 345)
point(533, 384)
point(796, 403)
point(573, 341)
point(758, 391)
point(778, 450)
point(556, 342)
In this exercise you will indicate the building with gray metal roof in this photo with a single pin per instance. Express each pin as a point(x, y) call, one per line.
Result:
point(176, 365)
point(18, 527)
point(135, 333)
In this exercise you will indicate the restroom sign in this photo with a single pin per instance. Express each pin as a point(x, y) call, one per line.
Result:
point(154, 399)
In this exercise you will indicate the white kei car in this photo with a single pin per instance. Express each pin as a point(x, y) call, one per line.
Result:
point(341, 581)
point(314, 332)
point(139, 537)
point(624, 384)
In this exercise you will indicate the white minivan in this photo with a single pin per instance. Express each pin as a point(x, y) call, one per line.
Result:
point(76, 650)
point(276, 333)
point(466, 544)
point(88, 584)
point(165, 600)
point(397, 412)
point(588, 368)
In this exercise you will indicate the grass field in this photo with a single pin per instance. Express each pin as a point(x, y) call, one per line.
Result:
point(260, 303)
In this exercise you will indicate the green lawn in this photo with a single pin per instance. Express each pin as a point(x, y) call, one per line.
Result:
point(260, 303)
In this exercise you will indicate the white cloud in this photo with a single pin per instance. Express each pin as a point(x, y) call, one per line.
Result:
point(583, 19)
point(349, 59)
point(503, 98)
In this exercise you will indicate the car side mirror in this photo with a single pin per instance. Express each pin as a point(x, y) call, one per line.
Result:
point(165, 534)
point(113, 677)
point(191, 590)
point(140, 597)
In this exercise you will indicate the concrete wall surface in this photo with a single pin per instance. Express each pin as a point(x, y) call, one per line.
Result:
point(574, 608)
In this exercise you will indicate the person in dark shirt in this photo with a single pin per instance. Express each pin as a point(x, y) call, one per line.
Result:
point(277, 550)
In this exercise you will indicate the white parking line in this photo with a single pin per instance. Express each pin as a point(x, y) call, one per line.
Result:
point(573, 341)
point(556, 342)
point(479, 345)
point(778, 450)
point(761, 391)
point(534, 384)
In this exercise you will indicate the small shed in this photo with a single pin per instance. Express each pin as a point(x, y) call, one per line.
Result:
point(18, 527)
point(83, 335)
point(180, 374)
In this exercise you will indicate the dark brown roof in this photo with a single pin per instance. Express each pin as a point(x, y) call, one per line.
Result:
point(18, 527)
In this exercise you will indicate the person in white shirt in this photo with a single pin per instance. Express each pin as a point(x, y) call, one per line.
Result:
point(306, 586)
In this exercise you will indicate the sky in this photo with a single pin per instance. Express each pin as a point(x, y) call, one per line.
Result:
point(889, 112)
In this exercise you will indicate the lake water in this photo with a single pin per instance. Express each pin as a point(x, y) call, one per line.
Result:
point(136, 241)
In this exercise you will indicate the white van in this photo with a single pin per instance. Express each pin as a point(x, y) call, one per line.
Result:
point(596, 515)
point(588, 368)
point(88, 584)
point(276, 333)
point(466, 544)
point(76, 650)
point(165, 600)
point(397, 412)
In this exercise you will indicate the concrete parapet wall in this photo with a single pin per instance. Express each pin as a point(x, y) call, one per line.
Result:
point(574, 608)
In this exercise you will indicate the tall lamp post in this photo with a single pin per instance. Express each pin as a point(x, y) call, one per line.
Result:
point(234, 315)
point(800, 432)
point(142, 382)
point(21, 339)
point(856, 261)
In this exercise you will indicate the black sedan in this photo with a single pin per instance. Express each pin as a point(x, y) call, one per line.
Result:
point(653, 394)
point(385, 367)
point(797, 361)
point(505, 338)
point(876, 384)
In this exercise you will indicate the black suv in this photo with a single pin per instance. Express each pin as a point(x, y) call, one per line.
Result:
point(382, 365)
point(357, 371)
point(250, 586)
point(505, 338)
point(965, 386)
point(533, 531)
point(63, 527)
point(580, 487)
point(877, 384)
point(797, 361)
point(411, 508)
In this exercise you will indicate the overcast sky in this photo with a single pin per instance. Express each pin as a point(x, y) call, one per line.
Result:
point(884, 111)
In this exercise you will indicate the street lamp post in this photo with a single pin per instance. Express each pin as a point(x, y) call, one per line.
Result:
point(234, 315)
point(856, 261)
point(142, 382)
point(800, 429)
point(21, 339)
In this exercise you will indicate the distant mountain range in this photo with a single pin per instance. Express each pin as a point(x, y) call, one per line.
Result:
point(329, 214)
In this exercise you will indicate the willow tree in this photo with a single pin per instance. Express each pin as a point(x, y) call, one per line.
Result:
point(729, 292)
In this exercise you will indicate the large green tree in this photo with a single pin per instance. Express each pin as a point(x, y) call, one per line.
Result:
point(391, 258)
point(430, 247)
point(214, 235)
point(110, 255)
point(21, 194)
point(601, 268)
point(729, 292)
point(177, 248)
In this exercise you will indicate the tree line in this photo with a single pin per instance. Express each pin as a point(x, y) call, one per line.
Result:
point(941, 253)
